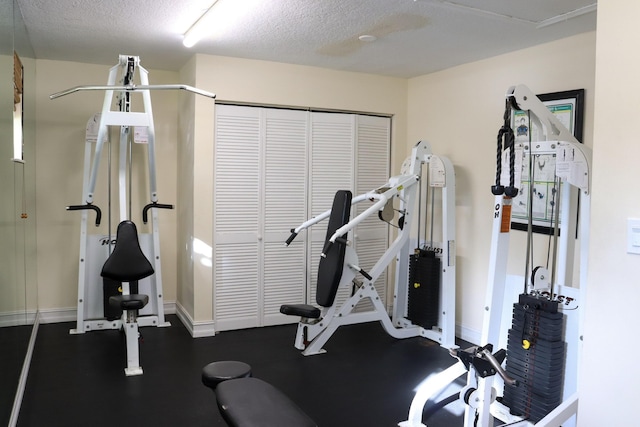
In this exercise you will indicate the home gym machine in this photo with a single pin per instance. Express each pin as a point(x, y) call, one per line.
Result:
point(130, 292)
point(538, 386)
point(424, 293)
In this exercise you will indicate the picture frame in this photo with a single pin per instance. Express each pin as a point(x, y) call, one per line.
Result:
point(568, 106)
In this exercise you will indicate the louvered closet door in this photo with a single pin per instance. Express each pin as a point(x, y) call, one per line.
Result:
point(237, 166)
point(331, 169)
point(372, 171)
point(284, 192)
point(260, 183)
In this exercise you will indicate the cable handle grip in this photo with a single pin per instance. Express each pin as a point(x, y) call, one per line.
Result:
point(87, 207)
point(153, 205)
point(290, 239)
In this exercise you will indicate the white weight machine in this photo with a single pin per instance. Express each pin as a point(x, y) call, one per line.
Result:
point(317, 325)
point(494, 392)
point(129, 302)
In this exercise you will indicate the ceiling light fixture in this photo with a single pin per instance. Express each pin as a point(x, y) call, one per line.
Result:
point(199, 28)
point(367, 38)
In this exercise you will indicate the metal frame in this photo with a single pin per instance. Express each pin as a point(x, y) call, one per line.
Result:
point(153, 314)
point(311, 336)
point(574, 168)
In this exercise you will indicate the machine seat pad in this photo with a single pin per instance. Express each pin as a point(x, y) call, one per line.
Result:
point(302, 310)
point(251, 402)
point(216, 372)
point(129, 302)
point(127, 262)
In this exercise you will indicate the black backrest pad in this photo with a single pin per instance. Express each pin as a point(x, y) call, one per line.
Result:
point(127, 262)
point(330, 268)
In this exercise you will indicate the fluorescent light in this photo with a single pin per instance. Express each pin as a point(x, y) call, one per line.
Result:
point(223, 18)
point(199, 29)
point(566, 16)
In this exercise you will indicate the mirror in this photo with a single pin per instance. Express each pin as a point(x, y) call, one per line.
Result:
point(18, 289)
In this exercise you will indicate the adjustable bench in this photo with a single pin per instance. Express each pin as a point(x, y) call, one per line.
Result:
point(245, 401)
point(128, 264)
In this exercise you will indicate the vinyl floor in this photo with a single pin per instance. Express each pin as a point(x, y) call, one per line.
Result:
point(366, 378)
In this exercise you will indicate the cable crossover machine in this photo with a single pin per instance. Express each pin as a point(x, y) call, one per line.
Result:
point(120, 280)
point(424, 292)
point(534, 320)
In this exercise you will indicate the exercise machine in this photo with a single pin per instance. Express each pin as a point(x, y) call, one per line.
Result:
point(537, 385)
point(414, 294)
point(121, 288)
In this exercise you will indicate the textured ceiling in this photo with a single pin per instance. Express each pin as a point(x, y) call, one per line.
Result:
point(414, 37)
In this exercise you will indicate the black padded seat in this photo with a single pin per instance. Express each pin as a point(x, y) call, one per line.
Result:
point(251, 402)
point(216, 372)
point(302, 310)
point(127, 262)
point(129, 302)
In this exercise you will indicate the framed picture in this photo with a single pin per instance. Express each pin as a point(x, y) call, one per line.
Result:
point(568, 108)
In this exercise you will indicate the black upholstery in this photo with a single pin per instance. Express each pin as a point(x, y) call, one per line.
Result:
point(302, 310)
point(251, 402)
point(129, 302)
point(216, 372)
point(330, 267)
point(127, 263)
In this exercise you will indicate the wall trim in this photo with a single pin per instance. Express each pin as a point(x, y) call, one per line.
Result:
point(471, 335)
point(197, 329)
point(18, 318)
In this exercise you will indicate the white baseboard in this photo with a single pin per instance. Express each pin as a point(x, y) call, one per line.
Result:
point(196, 329)
point(17, 318)
point(468, 334)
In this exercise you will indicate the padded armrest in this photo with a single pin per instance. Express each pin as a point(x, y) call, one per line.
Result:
point(251, 402)
point(302, 310)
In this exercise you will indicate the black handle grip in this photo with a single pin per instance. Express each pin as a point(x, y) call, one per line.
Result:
point(326, 248)
point(153, 205)
point(87, 207)
point(365, 274)
point(290, 239)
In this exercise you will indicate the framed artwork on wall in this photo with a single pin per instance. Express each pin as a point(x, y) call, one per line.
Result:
point(568, 108)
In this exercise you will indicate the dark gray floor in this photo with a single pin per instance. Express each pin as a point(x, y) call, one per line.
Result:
point(366, 378)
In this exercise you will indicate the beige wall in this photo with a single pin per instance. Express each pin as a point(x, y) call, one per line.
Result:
point(60, 155)
point(608, 381)
point(460, 111)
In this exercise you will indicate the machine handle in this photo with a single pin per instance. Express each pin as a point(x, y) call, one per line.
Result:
point(486, 354)
point(153, 205)
point(87, 207)
point(293, 236)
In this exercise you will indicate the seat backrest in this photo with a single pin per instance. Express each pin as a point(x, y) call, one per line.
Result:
point(330, 267)
point(127, 263)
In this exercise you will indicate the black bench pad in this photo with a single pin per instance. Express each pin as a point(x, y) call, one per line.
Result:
point(302, 310)
point(129, 302)
point(251, 402)
point(216, 372)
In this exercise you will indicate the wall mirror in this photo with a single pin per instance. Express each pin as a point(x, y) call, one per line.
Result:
point(18, 288)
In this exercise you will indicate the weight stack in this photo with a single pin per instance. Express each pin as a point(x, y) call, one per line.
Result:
point(424, 288)
point(535, 357)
